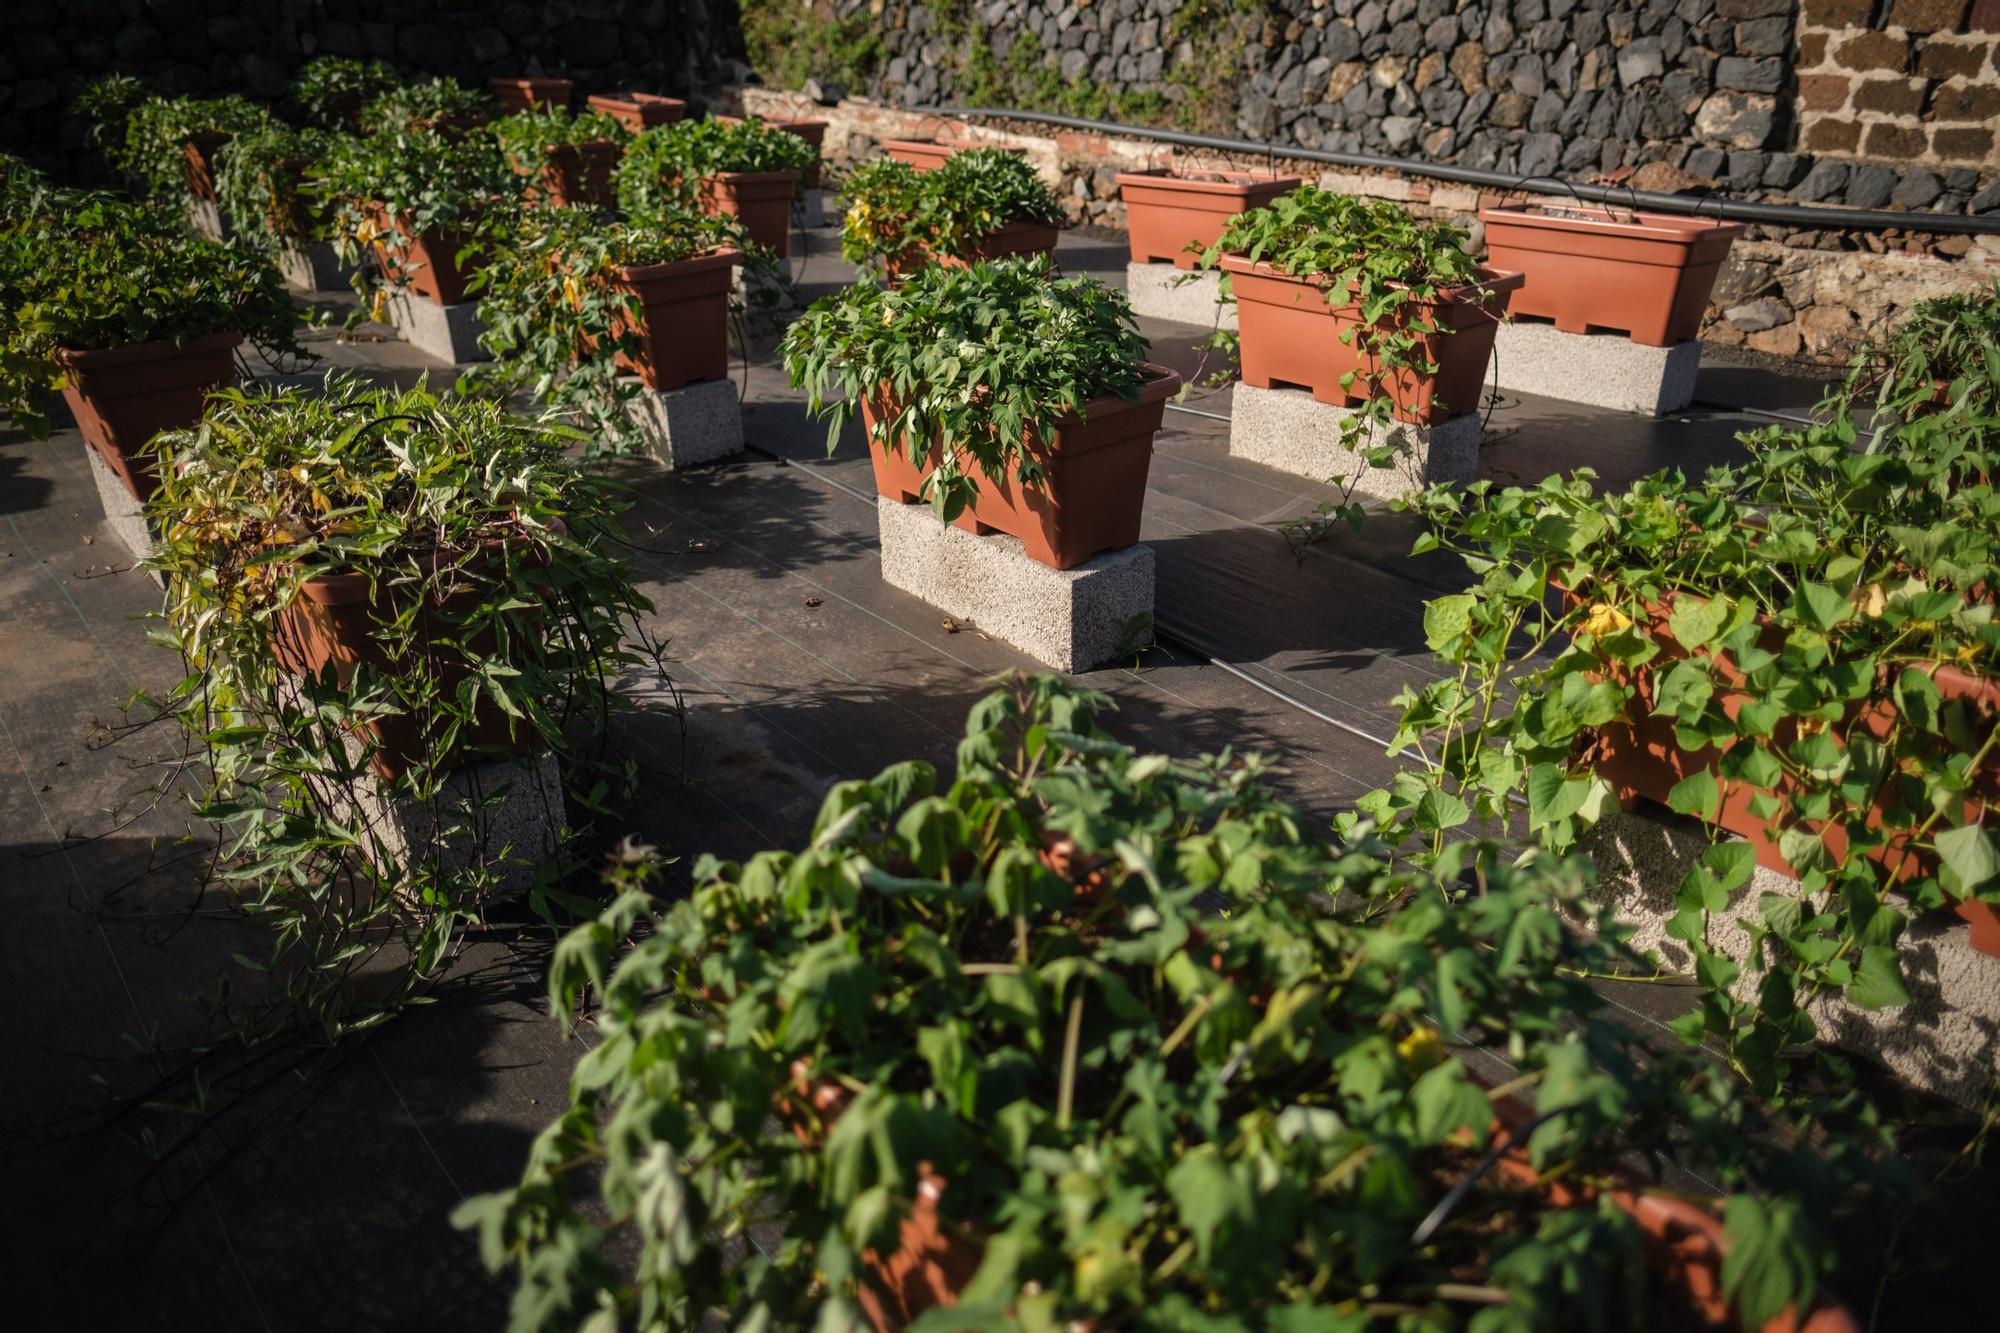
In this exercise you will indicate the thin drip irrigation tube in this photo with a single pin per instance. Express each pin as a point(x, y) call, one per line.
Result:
point(1728, 210)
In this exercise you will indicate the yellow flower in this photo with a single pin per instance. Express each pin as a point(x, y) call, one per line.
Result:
point(1967, 651)
point(1423, 1049)
point(1604, 618)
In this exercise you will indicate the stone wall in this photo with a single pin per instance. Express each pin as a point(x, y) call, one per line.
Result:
point(1907, 80)
point(1679, 94)
point(50, 48)
point(1810, 296)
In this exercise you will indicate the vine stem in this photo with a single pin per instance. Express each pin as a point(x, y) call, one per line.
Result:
point(1066, 1093)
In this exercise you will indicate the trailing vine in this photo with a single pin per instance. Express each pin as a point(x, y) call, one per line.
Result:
point(894, 211)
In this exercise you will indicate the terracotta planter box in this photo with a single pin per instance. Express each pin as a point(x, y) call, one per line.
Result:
point(1165, 213)
point(812, 131)
point(199, 152)
point(429, 264)
point(123, 396)
point(332, 623)
point(684, 319)
point(579, 174)
point(760, 200)
point(639, 112)
point(1642, 759)
point(1095, 485)
point(929, 154)
point(517, 95)
point(1291, 336)
point(1647, 275)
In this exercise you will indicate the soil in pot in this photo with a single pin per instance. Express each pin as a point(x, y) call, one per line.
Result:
point(684, 320)
point(760, 200)
point(639, 112)
point(1094, 490)
point(1166, 211)
point(518, 95)
point(1290, 336)
point(333, 621)
point(1647, 275)
point(123, 396)
point(428, 263)
point(929, 154)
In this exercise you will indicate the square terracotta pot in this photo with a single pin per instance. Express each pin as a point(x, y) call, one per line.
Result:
point(639, 112)
point(575, 174)
point(683, 321)
point(518, 95)
point(760, 200)
point(1166, 212)
point(1291, 336)
point(1647, 275)
point(429, 263)
point(199, 166)
point(1095, 469)
point(123, 396)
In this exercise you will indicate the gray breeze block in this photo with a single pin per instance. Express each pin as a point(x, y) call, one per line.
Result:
point(700, 423)
point(123, 515)
point(312, 267)
point(1290, 430)
point(1599, 369)
point(1945, 1041)
point(1070, 619)
point(448, 333)
point(1161, 291)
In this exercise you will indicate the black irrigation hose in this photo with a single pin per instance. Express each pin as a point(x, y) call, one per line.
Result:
point(1734, 210)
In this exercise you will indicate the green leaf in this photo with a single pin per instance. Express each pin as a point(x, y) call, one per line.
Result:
point(1820, 606)
point(1446, 620)
point(1695, 623)
point(1878, 980)
point(1696, 795)
point(1970, 855)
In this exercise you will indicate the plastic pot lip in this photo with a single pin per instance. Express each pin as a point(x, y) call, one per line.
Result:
point(1159, 384)
point(588, 148)
point(724, 257)
point(1236, 184)
point(949, 146)
point(602, 100)
point(529, 84)
point(1604, 221)
point(777, 122)
point(88, 358)
point(1491, 280)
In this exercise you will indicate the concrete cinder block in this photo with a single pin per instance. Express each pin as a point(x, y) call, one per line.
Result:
point(1071, 619)
point(448, 333)
point(696, 424)
point(812, 210)
point(1161, 291)
point(1599, 369)
point(205, 216)
point(312, 267)
point(123, 515)
point(1290, 430)
point(504, 817)
point(1945, 1041)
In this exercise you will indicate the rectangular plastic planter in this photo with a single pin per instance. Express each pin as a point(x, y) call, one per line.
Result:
point(1647, 275)
point(1291, 336)
point(1165, 212)
point(639, 112)
point(1641, 759)
point(684, 319)
point(1094, 490)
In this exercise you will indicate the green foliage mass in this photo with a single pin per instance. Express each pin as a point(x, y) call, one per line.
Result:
point(968, 361)
point(892, 209)
point(1013, 993)
point(665, 166)
point(87, 272)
